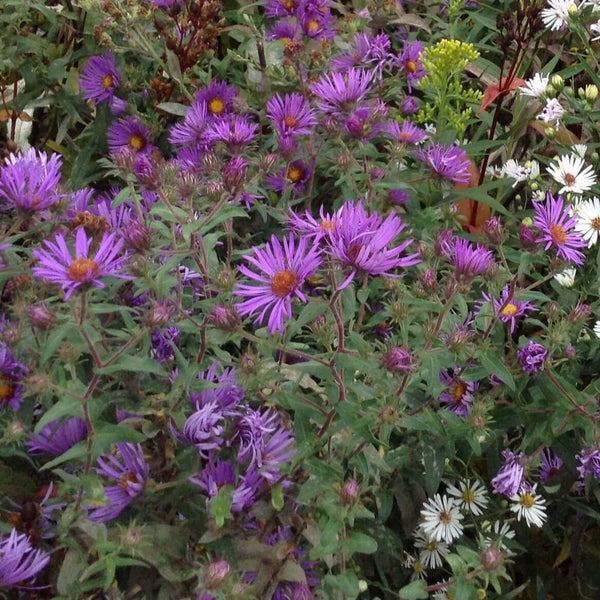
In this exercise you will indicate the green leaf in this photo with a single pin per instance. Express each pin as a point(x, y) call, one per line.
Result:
point(498, 368)
point(220, 505)
point(277, 499)
point(137, 364)
point(414, 591)
point(360, 543)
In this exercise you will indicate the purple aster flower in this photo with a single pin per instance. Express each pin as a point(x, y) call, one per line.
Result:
point(284, 31)
point(129, 135)
point(509, 478)
point(204, 428)
point(468, 260)
point(192, 132)
point(100, 78)
point(410, 106)
point(532, 357)
point(341, 92)
point(218, 98)
point(291, 115)
point(28, 182)
point(296, 175)
point(11, 373)
point(165, 3)
point(282, 271)
point(459, 396)
point(310, 227)
point(558, 229)
point(56, 263)
point(223, 390)
point(130, 470)
point(363, 242)
point(281, 8)
point(57, 437)
point(449, 162)
point(508, 309)
point(408, 133)
point(367, 50)
point(551, 464)
point(365, 122)
point(589, 463)
point(163, 344)
point(410, 63)
point(234, 131)
point(316, 21)
point(398, 359)
point(19, 560)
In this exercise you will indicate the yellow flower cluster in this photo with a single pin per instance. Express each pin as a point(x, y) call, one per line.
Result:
point(446, 58)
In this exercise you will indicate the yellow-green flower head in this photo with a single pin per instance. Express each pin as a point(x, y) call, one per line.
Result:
point(449, 56)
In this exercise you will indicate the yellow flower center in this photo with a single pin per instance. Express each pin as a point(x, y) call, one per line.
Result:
point(558, 234)
point(431, 546)
point(290, 121)
point(82, 269)
point(108, 82)
point(289, 5)
point(137, 142)
point(468, 496)
point(527, 500)
point(7, 387)
point(510, 310)
point(327, 225)
point(294, 174)
point(459, 391)
point(216, 106)
point(445, 517)
point(410, 65)
point(283, 283)
point(313, 26)
point(596, 223)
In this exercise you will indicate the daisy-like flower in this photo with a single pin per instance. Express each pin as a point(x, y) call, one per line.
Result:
point(508, 309)
point(588, 220)
point(282, 271)
point(308, 226)
point(552, 112)
point(11, 373)
point(341, 92)
point(295, 176)
point(529, 505)
point(468, 260)
point(595, 29)
point(558, 229)
point(459, 396)
point(363, 242)
point(408, 133)
point(556, 16)
point(509, 478)
point(570, 172)
point(501, 531)
point(511, 168)
point(367, 51)
point(535, 86)
point(551, 464)
point(192, 132)
point(218, 98)
point(449, 162)
point(57, 264)
point(441, 519)
point(234, 131)
point(100, 78)
point(291, 115)
point(470, 495)
point(566, 278)
point(19, 560)
point(411, 64)
point(130, 135)
point(431, 552)
point(28, 182)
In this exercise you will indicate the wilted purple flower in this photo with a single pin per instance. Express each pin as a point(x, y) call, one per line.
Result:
point(459, 396)
point(363, 242)
point(19, 560)
point(532, 357)
point(129, 135)
point(57, 437)
point(551, 463)
point(398, 196)
point(204, 428)
point(41, 316)
point(29, 182)
point(100, 78)
point(291, 115)
point(527, 237)
point(163, 343)
point(341, 92)
point(147, 172)
point(410, 106)
point(508, 309)
point(11, 373)
point(410, 62)
point(449, 162)
point(296, 175)
point(589, 463)
point(558, 229)
point(233, 130)
point(215, 574)
point(468, 260)
point(56, 264)
point(398, 359)
point(350, 492)
point(509, 478)
point(283, 271)
point(223, 390)
point(130, 470)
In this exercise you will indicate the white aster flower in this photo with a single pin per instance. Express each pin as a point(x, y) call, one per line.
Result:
point(566, 278)
point(588, 220)
point(569, 170)
point(597, 329)
point(535, 86)
point(470, 495)
point(441, 519)
point(511, 168)
point(529, 505)
point(431, 551)
point(553, 111)
point(579, 149)
point(595, 29)
point(556, 16)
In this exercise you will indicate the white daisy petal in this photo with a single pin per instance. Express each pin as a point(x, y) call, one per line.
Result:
point(528, 505)
point(569, 170)
point(441, 519)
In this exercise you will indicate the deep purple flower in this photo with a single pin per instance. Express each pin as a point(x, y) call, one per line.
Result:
point(468, 260)
point(558, 229)
point(317, 24)
point(408, 133)
point(532, 357)
point(509, 478)
point(56, 263)
point(365, 122)
point(398, 196)
point(459, 396)
point(410, 62)
point(410, 106)
point(291, 115)
point(100, 78)
point(163, 343)
point(57, 437)
point(341, 92)
point(398, 359)
point(29, 182)
point(130, 470)
point(218, 97)
point(449, 162)
point(551, 464)
point(282, 271)
point(234, 131)
point(589, 463)
point(11, 373)
point(19, 560)
point(281, 8)
point(129, 135)
point(364, 242)
point(508, 309)
point(296, 175)
point(192, 132)
point(222, 390)
point(284, 31)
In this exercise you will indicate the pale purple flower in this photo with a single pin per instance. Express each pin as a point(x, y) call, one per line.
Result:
point(407, 133)
point(532, 357)
point(552, 112)
point(291, 115)
point(589, 463)
point(509, 478)
point(449, 162)
point(20, 562)
point(468, 260)
point(233, 130)
point(411, 64)
point(341, 92)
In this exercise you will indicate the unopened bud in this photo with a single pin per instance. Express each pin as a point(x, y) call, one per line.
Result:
point(225, 318)
point(301, 592)
point(41, 317)
point(398, 359)
point(350, 492)
point(158, 316)
point(491, 559)
point(137, 236)
point(494, 230)
point(216, 574)
point(557, 82)
point(527, 237)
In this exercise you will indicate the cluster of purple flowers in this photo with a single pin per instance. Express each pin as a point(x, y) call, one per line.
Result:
point(297, 20)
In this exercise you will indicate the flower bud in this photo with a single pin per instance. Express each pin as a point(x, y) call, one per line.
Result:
point(527, 237)
point(591, 92)
point(398, 359)
point(557, 82)
point(429, 282)
point(158, 316)
point(491, 559)
point(350, 492)
point(570, 352)
point(41, 317)
point(216, 574)
point(225, 318)
point(137, 236)
point(494, 230)
point(409, 107)
point(268, 161)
